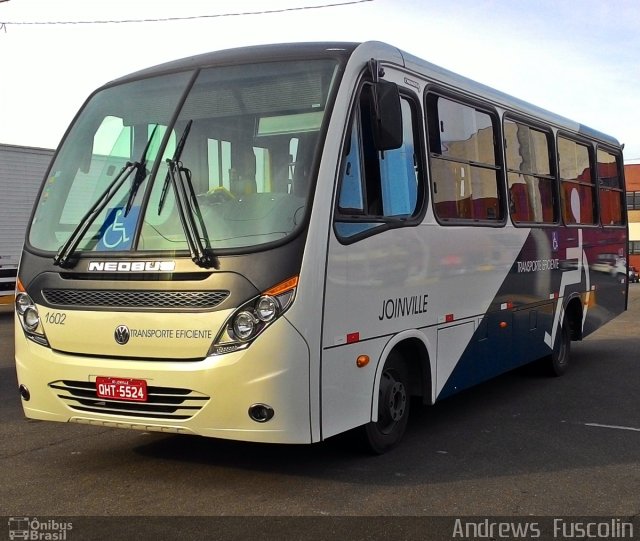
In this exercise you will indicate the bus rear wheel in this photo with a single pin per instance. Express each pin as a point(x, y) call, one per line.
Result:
point(558, 362)
point(393, 407)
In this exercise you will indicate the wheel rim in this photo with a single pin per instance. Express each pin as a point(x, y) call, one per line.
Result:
point(392, 404)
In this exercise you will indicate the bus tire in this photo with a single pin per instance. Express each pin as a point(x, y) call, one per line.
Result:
point(558, 362)
point(393, 407)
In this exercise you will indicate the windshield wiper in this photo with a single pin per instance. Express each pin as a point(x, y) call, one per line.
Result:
point(176, 157)
point(62, 258)
point(141, 173)
point(187, 205)
point(68, 248)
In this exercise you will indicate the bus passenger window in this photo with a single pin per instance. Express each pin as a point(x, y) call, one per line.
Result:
point(530, 177)
point(463, 159)
point(578, 190)
point(611, 189)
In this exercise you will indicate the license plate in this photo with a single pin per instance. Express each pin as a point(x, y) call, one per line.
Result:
point(121, 389)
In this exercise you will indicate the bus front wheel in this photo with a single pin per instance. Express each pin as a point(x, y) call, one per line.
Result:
point(393, 407)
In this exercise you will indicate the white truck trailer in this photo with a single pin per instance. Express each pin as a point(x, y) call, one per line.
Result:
point(21, 172)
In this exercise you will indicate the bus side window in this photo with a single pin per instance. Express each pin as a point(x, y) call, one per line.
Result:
point(376, 187)
point(399, 172)
point(530, 173)
point(611, 189)
point(351, 199)
point(465, 163)
point(578, 188)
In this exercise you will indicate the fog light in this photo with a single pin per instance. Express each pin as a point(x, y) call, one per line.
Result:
point(261, 413)
point(24, 393)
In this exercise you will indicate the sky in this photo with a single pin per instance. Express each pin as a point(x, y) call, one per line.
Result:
point(577, 58)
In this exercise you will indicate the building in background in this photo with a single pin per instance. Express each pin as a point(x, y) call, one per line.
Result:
point(632, 177)
point(21, 172)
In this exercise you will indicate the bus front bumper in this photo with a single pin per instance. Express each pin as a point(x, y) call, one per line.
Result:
point(211, 397)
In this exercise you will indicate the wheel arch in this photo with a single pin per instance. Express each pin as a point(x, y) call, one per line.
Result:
point(413, 347)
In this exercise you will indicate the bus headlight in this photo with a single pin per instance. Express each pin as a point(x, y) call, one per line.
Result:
point(27, 313)
point(266, 308)
point(23, 302)
point(253, 317)
point(31, 318)
point(244, 325)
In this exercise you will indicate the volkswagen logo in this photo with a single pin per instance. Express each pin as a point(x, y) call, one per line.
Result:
point(122, 334)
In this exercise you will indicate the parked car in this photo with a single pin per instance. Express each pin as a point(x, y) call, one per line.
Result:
point(634, 277)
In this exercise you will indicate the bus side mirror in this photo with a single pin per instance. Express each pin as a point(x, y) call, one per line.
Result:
point(387, 116)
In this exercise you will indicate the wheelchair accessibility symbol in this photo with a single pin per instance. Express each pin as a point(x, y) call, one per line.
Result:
point(117, 231)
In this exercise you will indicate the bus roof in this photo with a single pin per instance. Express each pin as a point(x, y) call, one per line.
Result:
point(501, 99)
point(244, 55)
point(365, 51)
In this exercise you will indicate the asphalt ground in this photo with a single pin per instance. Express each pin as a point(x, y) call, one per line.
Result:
point(522, 445)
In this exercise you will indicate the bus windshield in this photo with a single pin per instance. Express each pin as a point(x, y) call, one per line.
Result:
point(239, 147)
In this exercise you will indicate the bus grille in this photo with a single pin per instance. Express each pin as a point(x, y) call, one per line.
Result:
point(163, 402)
point(134, 299)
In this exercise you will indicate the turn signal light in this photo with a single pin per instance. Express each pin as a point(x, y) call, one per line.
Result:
point(362, 361)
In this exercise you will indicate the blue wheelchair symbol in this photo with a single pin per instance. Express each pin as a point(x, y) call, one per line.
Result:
point(117, 230)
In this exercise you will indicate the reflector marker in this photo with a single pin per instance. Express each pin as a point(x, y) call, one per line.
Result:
point(349, 338)
point(353, 337)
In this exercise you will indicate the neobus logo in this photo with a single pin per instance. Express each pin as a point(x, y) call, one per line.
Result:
point(132, 266)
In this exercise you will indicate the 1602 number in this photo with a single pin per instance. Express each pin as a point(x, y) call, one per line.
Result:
point(55, 318)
